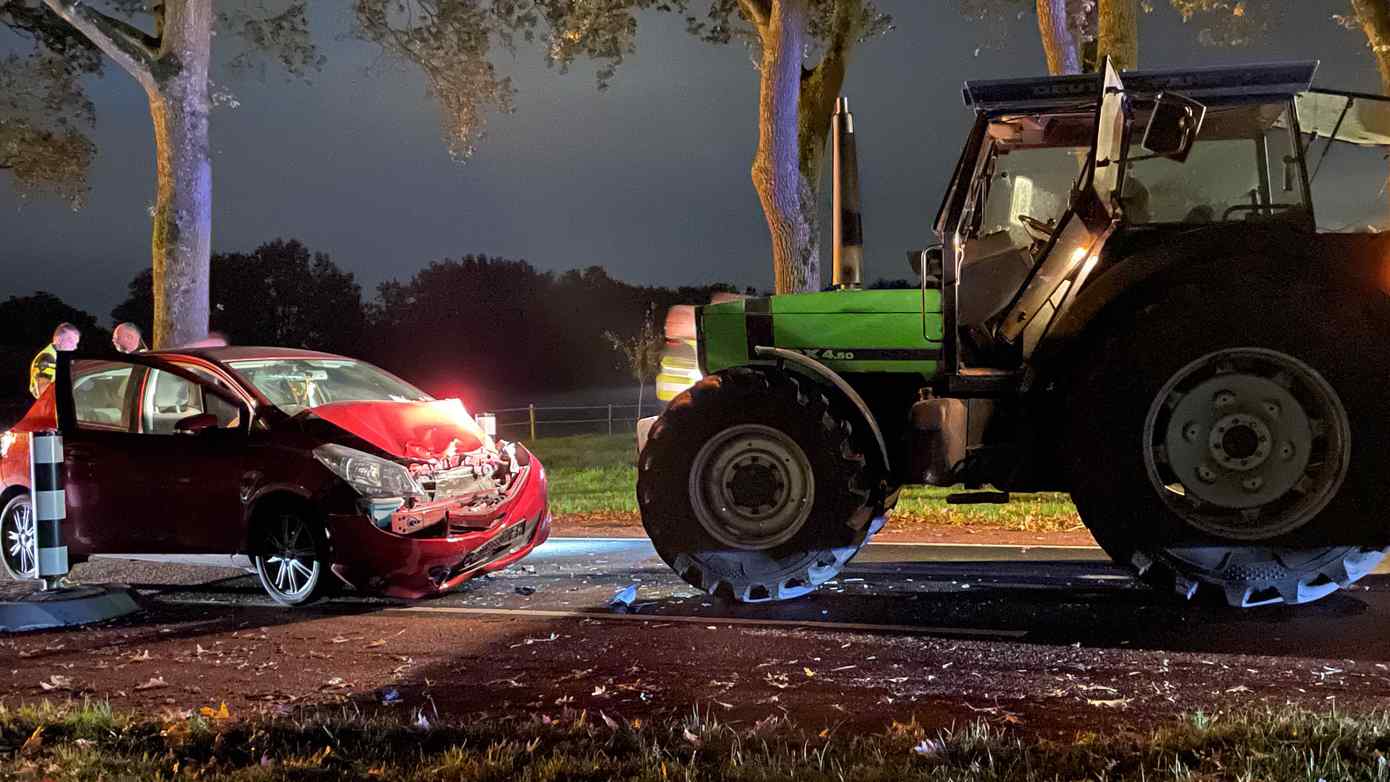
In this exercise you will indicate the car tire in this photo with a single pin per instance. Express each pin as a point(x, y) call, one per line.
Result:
point(19, 539)
point(752, 488)
point(290, 553)
point(1148, 463)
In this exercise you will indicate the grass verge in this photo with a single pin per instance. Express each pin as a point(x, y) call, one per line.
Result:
point(595, 476)
point(90, 742)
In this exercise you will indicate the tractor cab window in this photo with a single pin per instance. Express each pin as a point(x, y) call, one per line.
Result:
point(1023, 188)
point(1348, 141)
point(1242, 168)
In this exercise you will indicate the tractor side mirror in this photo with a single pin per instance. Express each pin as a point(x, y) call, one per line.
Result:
point(1173, 126)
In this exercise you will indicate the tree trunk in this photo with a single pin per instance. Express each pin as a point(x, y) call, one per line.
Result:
point(777, 172)
point(1118, 37)
point(182, 235)
point(1058, 39)
point(1374, 16)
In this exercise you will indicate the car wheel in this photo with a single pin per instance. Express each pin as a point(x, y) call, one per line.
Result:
point(19, 534)
point(1229, 442)
point(290, 558)
point(752, 489)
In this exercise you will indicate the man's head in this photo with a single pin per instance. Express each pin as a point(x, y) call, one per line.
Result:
point(66, 337)
point(126, 337)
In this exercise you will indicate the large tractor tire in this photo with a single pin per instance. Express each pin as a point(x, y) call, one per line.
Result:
point(1231, 441)
point(753, 489)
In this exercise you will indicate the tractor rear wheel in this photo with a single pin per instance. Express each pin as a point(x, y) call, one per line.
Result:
point(752, 488)
point(1228, 441)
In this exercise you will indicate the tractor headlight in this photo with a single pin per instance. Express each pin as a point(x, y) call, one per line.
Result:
point(369, 475)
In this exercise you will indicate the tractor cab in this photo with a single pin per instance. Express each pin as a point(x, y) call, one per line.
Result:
point(1060, 170)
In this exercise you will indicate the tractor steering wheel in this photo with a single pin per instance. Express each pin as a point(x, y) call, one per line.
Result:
point(1041, 231)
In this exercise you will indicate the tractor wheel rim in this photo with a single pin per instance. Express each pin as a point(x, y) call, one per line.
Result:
point(752, 487)
point(1247, 443)
point(291, 561)
point(21, 541)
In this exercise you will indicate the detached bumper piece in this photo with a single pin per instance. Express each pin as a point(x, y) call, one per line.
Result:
point(509, 542)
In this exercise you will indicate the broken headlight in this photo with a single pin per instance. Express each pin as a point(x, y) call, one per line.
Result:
point(370, 476)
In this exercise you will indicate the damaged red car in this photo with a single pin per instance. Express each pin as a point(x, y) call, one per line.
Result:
point(312, 469)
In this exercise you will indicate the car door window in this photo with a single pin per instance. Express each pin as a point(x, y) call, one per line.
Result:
point(99, 398)
point(170, 399)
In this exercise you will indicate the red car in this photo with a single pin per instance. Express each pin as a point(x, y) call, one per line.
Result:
point(306, 463)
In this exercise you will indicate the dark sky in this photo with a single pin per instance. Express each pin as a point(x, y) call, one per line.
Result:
point(649, 178)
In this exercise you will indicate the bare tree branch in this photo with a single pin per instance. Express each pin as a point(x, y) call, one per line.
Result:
point(128, 46)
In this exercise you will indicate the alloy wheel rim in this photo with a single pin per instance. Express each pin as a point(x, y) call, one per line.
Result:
point(752, 487)
point(291, 561)
point(1247, 443)
point(21, 541)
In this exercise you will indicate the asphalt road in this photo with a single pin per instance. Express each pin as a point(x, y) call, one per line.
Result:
point(1041, 594)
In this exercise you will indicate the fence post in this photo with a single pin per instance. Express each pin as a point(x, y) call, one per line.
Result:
point(610, 419)
point(531, 411)
point(49, 506)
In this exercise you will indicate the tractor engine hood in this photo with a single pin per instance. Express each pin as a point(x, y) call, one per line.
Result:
point(436, 431)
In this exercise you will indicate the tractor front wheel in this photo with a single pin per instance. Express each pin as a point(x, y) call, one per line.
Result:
point(752, 488)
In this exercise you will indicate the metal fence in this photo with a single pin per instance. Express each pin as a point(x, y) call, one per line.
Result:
point(534, 421)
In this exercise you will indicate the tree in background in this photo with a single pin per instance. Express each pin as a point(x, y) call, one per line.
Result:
point(1373, 16)
point(44, 112)
point(640, 353)
point(804, 49)
point(166, 46)
point(1077, 35)
point(278, 294)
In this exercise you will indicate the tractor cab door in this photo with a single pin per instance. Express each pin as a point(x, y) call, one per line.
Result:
point(1078, 236)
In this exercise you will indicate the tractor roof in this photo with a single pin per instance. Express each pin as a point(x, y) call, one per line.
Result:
point(1207, 84)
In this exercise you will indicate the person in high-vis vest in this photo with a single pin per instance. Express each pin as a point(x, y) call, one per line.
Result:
point(41, 369)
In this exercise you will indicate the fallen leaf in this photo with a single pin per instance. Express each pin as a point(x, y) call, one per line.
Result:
point(34, 743)
point(143, 656)
point(609, 721)
point(375, 644)
point(155, 682)
point(690, 737)
point(56, 682)
point(809, 673)
point(600, 691)
point(220, 713)
point(1114, 703)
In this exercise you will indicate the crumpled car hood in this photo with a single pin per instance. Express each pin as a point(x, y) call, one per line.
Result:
point(410, 430)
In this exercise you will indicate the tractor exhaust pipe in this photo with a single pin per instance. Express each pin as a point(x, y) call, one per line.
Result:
point(848, 232)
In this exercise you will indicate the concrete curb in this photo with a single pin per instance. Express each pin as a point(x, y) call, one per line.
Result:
point(67, 607)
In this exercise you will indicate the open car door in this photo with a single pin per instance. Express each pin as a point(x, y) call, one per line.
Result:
point(134, 485)
point(1082, 230)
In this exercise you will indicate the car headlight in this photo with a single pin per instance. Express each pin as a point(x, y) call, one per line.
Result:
point(369, 475)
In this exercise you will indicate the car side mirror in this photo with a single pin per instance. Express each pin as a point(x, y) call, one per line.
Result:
point(1173, 126)
point(195, 424)
point(925, 263)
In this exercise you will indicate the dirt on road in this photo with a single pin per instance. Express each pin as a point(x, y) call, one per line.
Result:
point(895, 531)
point(177, 658)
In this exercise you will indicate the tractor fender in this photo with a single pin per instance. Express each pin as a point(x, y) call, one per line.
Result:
point(1230, 251)
point(823, 374)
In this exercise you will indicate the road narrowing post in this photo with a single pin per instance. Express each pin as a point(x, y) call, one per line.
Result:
point(531, 411)
point(50, 505)
point(610, 419)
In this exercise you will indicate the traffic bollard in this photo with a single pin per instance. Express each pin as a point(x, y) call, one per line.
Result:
point(50, 505)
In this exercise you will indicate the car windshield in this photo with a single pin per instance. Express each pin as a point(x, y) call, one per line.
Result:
point(297, 384)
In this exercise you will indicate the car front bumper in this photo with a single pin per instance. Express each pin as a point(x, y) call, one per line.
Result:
point(377, 560)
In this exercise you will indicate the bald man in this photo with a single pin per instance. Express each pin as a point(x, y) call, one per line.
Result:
point(126, 338)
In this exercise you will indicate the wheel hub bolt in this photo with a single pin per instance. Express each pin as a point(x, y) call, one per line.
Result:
point(1272, 408)
point(1286, 451)
point(1206, 474)
point(1253, 483)
point(1224, 399)
point(1192, 432)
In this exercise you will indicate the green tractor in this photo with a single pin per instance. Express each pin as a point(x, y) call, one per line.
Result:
point(1130, 300)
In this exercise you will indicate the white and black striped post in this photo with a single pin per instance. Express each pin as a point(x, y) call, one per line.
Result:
point(50, 505)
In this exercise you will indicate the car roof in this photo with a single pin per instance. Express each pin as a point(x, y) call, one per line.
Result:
point(245, 352)
point(1211, 84)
